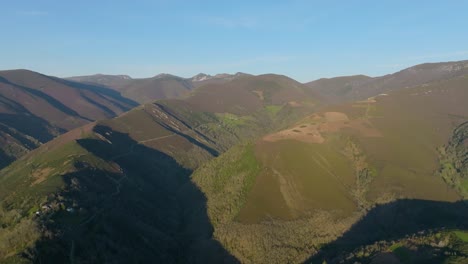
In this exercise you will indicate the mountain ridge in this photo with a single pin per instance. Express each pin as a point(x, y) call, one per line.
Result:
point(34, 108)
point(358, 87)
point(258, 169)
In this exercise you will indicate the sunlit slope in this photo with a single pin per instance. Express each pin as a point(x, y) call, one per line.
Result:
point(246, 94)
point(320, 175)
point(392, 139)
point(351, 88)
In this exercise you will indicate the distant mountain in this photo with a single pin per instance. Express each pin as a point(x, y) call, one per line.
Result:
point(203, 78)
point(145, 90)
point(360, 87)
point(225, 76)
point(243, 93)
point(161, 86)
point(34, 108)
point(338, 88)
point(102, 79)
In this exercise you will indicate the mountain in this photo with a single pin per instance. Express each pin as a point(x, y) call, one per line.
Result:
point(102, 79)
point(313, 182)
point(34, 108)
point(253, 169)
point(202, 78)
point(360, 87)
point(64, 193)
point(144, 90)
point(338, 89)
point(161, 86)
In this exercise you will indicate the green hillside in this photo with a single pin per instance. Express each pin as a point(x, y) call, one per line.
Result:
point(255, 169)
point(318, 177)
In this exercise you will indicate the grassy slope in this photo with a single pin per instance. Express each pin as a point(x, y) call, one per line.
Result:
point(297, 178)
point(294, 179)
point(133, 157)
point(26, 186)
point(159, 144)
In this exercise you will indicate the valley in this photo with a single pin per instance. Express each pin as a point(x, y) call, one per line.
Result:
point(237, 169)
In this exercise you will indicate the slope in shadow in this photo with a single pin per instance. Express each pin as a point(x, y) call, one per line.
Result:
point(30, 125)
point(100, 90)
point(394, 221)
point(5, 159)
point(145, 211)
point(49, 99)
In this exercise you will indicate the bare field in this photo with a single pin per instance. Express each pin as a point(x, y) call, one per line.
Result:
point(313, 128)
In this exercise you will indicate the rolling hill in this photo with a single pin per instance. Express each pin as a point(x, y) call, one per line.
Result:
point(143, 90)
point(161, 86)
point(310, 183)
point(34, 108)
point(252, 169)
point(360, 87)
point(57, 202)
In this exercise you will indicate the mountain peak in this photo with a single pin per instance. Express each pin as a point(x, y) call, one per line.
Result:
point(118, 76)
point(201, 77)
point(162, 75)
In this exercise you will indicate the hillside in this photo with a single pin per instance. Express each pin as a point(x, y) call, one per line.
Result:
point(255, 169)
point(161, 86)
point(34, 108)
point(58, 201)
point(143, 90)
point(307, 185)
point(360, 87)
point(102, 79)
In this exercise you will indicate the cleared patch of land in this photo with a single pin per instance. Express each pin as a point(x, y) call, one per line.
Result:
point(313, 128)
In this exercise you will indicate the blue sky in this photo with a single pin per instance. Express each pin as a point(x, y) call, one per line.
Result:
point(305, 40)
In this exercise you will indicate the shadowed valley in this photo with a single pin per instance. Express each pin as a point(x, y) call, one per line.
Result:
point(240, 169)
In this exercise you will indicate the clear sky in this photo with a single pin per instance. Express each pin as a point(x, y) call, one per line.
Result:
point(305, 40)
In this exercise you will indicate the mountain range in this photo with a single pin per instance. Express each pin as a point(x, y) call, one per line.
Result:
point(235, 168)
point(161, 86)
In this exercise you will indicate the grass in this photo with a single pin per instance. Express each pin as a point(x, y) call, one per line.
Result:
point(395, 246)
point(17, 239)
point(281, 182)
point(138, 123)
point(465, 185)
point(405, 156)
point(232, 119)
point(299, 178)
point(227, 181)
point(26, 183)
point(273, 109)
point(462, 235)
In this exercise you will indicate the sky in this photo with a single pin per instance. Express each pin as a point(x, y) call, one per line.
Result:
point(305, 40)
